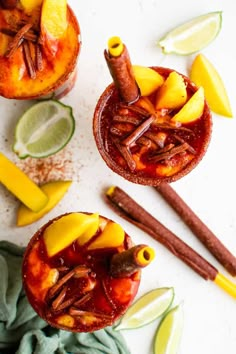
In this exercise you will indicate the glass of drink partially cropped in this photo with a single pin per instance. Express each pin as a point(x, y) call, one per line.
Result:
point(81, 271)
point(38, 58)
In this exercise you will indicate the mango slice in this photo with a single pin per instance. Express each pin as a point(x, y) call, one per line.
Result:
point(90, 232)
point(54, 18)
point(112, 236)
point(65, 230)
point(30, 5)
point(204, 74)
point(148, 80)
point(55, 191)
point(192, 110)
point(19, 184)
point(173, 93)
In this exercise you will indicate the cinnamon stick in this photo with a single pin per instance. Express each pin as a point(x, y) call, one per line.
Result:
point(121, 71)
point(125, 263)
point(130, 210)
point(203, 233)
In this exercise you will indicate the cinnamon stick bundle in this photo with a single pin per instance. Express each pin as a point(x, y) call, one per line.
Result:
point(127, 208)
point(201, 231)
point(120, 67)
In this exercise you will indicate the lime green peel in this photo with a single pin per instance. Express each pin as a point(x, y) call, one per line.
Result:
point(192, 36)
point(44, 129)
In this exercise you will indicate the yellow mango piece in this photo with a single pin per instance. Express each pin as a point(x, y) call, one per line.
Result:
point(54, 18)
point(4, 42)
point(172, 94)
point(192, 110)
point(30, 5)
point(90, 232)
point(148, 80)
point(55, 191)
point(204, 74)
point(65, 320)
point(111, 236)
point(65, 230)
point(19, 184)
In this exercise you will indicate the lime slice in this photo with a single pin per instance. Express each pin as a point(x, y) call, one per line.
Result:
point(146, 309)
point(193, 35)
point(168, 335)
point(44, 129)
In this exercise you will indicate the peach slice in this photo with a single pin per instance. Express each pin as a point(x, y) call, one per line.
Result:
point(55, 191)
point(192, 110)
point(148, 80)
point(204, 74)
point(172, 93)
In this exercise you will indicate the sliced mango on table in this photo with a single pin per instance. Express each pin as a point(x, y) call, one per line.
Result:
point(173, 93)
point(192, 110)
point(55, 191)
point(65, 230)
point(19, 184)
point(148, 80)
point(204, 74)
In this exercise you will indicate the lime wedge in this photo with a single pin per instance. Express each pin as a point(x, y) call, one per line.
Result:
point(146, 309)
point(43, 129)
point(168, 335)
point(193, 35)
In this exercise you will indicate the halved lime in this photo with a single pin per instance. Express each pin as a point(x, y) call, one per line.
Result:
point(192, 36)
point(146, 309)
point(44, 129)
point(168, 335)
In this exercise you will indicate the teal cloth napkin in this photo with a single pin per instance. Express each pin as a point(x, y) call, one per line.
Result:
point(22, 331)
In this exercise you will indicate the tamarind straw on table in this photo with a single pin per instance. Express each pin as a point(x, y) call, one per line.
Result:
point(201, 231)
point(130, 210)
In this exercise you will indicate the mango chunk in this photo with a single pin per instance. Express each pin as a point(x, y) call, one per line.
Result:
point(19, 184)
point(90, 232)
point(192, 110)
point(55, 191)
point(54, 18)
point(204, 74)
point(65, 320)
point(172, 94)
point(65, 230)
point(30, 5)
point(148, 80)
point(112, 236)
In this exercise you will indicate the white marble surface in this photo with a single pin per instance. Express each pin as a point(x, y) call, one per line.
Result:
point(209, 325)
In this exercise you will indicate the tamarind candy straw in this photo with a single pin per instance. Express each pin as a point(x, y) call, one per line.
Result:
point(120, 67)
point(125, 263)
point(201, 231)
point(130, 210)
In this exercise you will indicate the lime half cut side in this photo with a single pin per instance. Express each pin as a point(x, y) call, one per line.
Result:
point(169, 332)
point(192, 36)
point(44, 129)
point(147, 308)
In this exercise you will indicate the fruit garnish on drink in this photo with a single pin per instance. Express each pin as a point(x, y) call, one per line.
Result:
point(151, 125)
point(39, 47)
point(81, 271)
